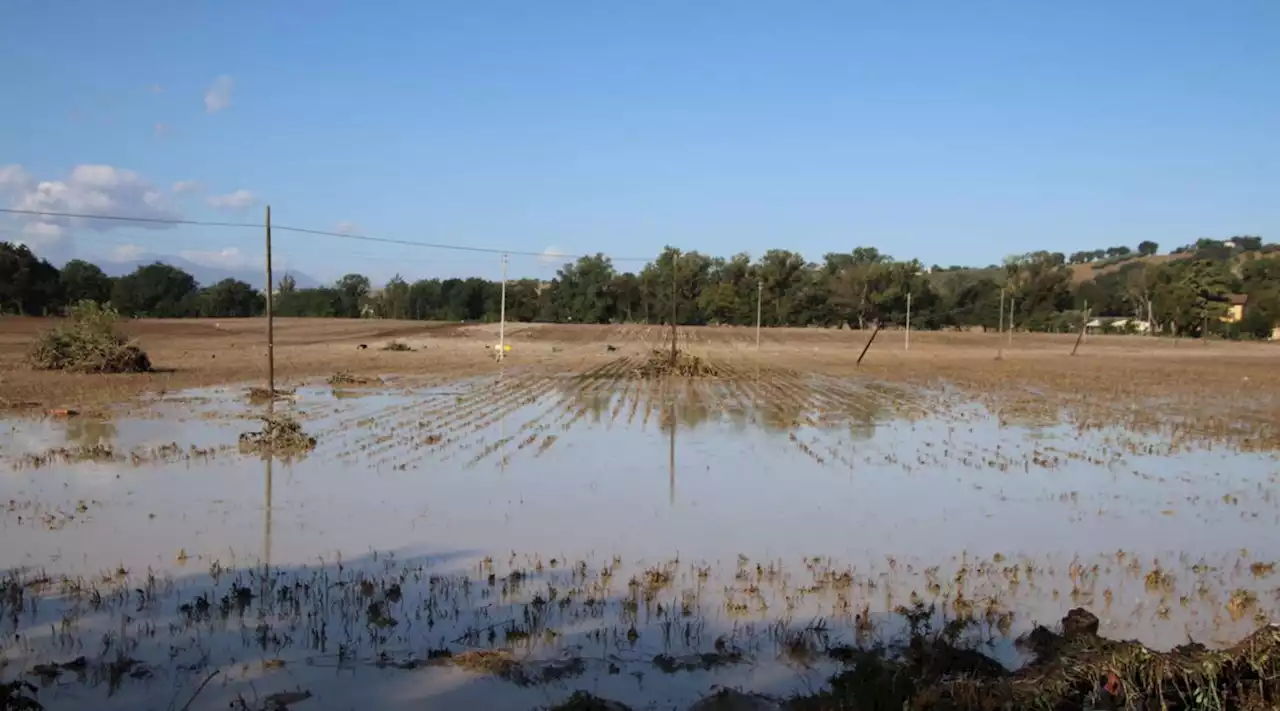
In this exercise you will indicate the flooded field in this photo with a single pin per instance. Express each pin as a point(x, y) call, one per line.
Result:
point(503, 538)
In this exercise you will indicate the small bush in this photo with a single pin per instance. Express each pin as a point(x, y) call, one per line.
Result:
point(397, 346)
point(89, 344)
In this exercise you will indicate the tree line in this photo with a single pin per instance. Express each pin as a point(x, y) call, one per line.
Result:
point(1184, 294)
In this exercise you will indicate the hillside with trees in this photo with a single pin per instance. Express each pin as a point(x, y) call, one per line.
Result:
point(1182, 293)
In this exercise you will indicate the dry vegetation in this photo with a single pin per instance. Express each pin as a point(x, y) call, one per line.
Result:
point(88, 343)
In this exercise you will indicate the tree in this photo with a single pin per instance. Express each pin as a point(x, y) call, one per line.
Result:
point(394, 301)
point(157, 289)
point(1147, 248)
point(82, 281)
point(28, 285)
point(352, 290)
point(232, 298)
point(582, 293)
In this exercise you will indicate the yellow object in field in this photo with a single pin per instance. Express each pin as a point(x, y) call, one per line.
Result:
point(505, 348)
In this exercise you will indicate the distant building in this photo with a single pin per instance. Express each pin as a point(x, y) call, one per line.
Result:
point(1235, 307)
point(1111, 324)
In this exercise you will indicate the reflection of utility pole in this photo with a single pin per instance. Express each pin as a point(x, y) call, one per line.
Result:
point(266, 524)
point(671, 458)
point(266, 528)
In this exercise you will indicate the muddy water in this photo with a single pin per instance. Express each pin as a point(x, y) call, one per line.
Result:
point(588, 525)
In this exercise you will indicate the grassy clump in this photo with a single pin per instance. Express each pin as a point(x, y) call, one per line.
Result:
point(89, 343)
point(342, 377)
point(279, 435)
point(259, 396)
point(399, 346)
point(660, 363)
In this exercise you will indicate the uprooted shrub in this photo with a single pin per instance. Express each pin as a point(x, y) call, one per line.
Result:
point(399, 346)
point(89, 343)
point(342, 377)
point(660, 363)
point(279, 435)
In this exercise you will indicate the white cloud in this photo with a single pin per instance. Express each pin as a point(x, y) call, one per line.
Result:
point(238, 201)
point(184, 187)
point(161, 128)
point(89, 189)
point(13, 177)
point(156, 89)
point(228, 258)
point(125, 253)
point(347, 228)
point(218, 96)
point(552, 256)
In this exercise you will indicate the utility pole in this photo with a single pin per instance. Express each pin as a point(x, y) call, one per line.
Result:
point(674, 262)
point(1000, 329)
point(1084, 325)
point(502, 314)
point(271, 324)
point(759, 301)
point(906, 345)
point(1011, 305)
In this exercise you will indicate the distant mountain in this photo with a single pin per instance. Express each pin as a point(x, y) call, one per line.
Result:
point(207, 275)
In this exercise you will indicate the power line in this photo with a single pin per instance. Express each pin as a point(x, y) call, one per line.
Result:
point(309, 231)
point(121, 218)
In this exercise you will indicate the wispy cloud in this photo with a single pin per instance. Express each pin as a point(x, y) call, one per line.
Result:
point(238, 201)
point(347, 228)
point(218, 96)
point(187, 187)
point(552, 255)
point(89, 189)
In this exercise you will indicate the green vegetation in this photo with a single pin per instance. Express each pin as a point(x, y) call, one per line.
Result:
point(1181, 294)
point(89, 344)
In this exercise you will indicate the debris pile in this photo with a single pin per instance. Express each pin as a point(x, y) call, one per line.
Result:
point(343, 377)
point(660, 363)
point(259, 396)
point(88, 343)
point(279, 435)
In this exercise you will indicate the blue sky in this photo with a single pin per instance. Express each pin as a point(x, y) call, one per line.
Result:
point(952, 132)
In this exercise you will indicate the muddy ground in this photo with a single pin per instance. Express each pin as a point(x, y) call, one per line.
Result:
point(1236, 384)
point(426, 525)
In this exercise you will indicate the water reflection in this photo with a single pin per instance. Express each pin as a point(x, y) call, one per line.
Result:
point(90, 432)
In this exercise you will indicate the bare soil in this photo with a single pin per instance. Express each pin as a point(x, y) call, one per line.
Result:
point(1221, 384)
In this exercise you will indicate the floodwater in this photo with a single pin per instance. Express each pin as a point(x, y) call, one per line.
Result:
point(603, 531)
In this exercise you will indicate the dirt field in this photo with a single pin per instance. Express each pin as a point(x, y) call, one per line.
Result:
point(1236, 384)
point(575, 518)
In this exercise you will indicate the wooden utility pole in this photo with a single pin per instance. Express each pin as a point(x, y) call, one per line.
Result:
point(502, 314)
point(1011, 307)
point(906, 344)
point(674, 262)
point(1083, 325)
point(1000, 329)
point(271, 323)
point(759, 301)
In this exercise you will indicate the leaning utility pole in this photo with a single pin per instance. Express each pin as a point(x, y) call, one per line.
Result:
point(271, 325)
